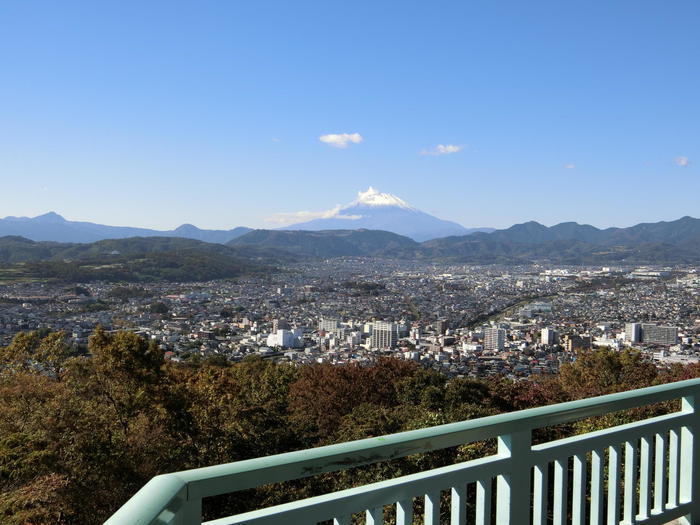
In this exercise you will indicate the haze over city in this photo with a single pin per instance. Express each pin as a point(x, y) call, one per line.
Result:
point(228, 114)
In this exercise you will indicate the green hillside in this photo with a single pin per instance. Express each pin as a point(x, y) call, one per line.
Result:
point(134, 259)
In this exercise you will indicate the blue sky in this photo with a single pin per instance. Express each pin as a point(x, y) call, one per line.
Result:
point(158, 113)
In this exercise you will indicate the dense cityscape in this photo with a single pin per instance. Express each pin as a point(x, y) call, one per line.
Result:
point(461, 320)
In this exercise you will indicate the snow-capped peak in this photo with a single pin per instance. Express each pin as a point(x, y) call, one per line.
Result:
point(372, 197)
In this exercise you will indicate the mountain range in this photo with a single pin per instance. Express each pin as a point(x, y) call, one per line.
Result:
point(683, 230)
point(172, 258)
point(374, 224)
point(53, 227)
point(373, 210)
point(674, 242)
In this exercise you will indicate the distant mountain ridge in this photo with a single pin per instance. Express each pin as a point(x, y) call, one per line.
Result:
point(674, 242)
point(664, 242)
point(682, 230)
point(53, 227)
point(373, 210)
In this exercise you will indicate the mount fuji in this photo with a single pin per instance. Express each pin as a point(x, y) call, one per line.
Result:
point(373, 210)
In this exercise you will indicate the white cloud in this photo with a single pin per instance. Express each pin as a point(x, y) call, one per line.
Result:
point(569, 166)
point(284, 219)
point(442, 149)
point(682, 161)
point(341, 140)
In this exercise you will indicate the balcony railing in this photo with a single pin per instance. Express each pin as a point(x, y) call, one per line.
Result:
point(642, 472)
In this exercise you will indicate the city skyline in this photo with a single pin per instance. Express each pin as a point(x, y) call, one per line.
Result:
point(223, 115)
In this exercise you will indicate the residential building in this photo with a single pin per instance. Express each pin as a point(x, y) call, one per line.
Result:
point(549, 336)
point(494, 338)
point(661, 335)
point(633, 332)
point(384, 335)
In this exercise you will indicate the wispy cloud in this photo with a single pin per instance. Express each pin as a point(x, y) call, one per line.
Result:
point(682, 161)
point(442, 149)
point(569, 166)
point(341, 140)
point(284, 219)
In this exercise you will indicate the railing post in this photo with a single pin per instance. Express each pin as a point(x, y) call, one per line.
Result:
point(513, 488)
point(190, 513)
point(689, 489)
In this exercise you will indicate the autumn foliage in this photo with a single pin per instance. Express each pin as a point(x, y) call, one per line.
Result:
point(80, 434)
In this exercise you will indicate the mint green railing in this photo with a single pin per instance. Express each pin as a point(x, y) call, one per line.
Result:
point(652, 466)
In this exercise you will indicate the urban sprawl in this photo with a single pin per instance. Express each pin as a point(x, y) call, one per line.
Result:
point(459, 319)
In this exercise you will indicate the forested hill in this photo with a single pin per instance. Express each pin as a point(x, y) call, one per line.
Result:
point(683, 231)
point(676, 242)
point(329, 243)
point(665, 243)
point(134, 259)
point(106, 425)
point(484, 250)
point(673, 242)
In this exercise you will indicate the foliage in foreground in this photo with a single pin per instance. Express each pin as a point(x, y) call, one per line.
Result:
point(80, 435)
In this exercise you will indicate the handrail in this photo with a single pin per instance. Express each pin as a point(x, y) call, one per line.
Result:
point(232, 477)
point(164, 492)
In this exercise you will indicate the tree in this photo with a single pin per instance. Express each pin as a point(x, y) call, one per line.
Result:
point(106, 424)
point(158, 308)
point(81, 290)
point(324, 393)
point(604, 371)
point(29, 352)
point(53, 353)
point(17, 356)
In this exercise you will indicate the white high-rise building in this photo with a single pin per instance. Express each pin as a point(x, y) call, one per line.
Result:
point(384, 335)
point(285, 338)
point(328, 324)
point(494, 338)
point(332, 328)
point(549, 336)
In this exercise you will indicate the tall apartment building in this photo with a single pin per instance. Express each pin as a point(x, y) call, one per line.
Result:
point(328, 324)
point(494, 338)
point(280, 324)
point(573, 342)
point(633, 332)
point(441, 326)
point(333, 328)
point(661, 335)
point(549, 336)
point(384, 335)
